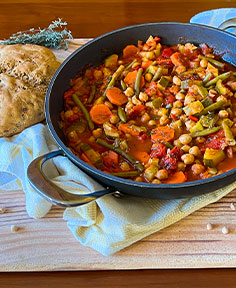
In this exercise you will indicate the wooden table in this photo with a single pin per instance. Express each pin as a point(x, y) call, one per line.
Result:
point(89, 19)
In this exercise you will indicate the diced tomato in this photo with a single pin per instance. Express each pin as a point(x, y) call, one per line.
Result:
point(176, 152)
point(167, 52)
point(136, 110)
point(169, 99)
point(69, 93)
point(137, 67)
point(170, 163)
point(110, 159)
point(73, 117)
point(215, 141)
point(174, 117)
point(158, 150)
point(157, 39)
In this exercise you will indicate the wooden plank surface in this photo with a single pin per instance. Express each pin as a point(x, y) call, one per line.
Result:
point(48, 245)
point(91, 18)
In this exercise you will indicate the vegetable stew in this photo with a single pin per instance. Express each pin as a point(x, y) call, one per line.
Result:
point(155, 114)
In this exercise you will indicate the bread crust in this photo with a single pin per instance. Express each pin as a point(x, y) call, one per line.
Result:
point(25, 73)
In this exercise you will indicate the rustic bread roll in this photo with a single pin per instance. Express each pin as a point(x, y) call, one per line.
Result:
point(25, 72)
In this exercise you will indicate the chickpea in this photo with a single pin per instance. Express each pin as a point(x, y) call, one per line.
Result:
point(176, 111)
point(135, 101)
point(124, 166)
point(148, 77)
point(162, 174)
point(97, 133)
point(75, 109)
point(97, 74)
point(138, 179)
point(223, 114)
point(180, 96)
point(68, 113)
point(177, 104)
point(203, 63)
point(129, 92)
point(176, 81)
point(145, 118)
point(212, 93)
point(189, 124)
point(197, 169)
point(185, 139)
point(180, 69)
point(129, 106)
point(195, 151)
point(151, 123)
point(187, 159)
point(181, 166)
point(221, 98)
point(185, 148)
point(164, 120)
point(200, 140)
point(114, 118)
point(162, 111)
point(143, 97)
point(178, 143)
point(92, 139)
point(156, 181)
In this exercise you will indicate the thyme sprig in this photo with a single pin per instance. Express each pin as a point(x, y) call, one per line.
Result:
point(55, 35)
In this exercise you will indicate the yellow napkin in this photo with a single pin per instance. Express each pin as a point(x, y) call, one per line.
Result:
point(107, 225)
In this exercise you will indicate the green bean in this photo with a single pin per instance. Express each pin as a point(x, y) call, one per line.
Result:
point(223, 77)
point(216, 63)
point(148, 68)
point(92, 93)
point(138, 81)
point(114, 78)
point(157, 74)
point(121, 114)
point(84, 110)
point(130, 64)
point(206, 78)
point(167, 144)
point(126, 174)
point(228, 134)
point(134, 162)
point(123, 85)
point(210, 108)
point(205, 132)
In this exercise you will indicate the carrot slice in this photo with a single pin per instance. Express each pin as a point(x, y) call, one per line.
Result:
point(177, 177)
point(131, 77)
point(128, 128)
point(162, 133)
point(146, 64)
point(177, 59)
point(116, 96)
point(129, 51)
point(100, 114)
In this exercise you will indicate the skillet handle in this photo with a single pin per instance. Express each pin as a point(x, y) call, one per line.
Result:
point(47, 189)
point(230, 23)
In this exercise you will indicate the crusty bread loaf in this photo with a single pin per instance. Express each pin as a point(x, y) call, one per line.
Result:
point(25, 72)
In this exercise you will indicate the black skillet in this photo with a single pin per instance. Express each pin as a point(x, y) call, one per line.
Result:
point(94, 53)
